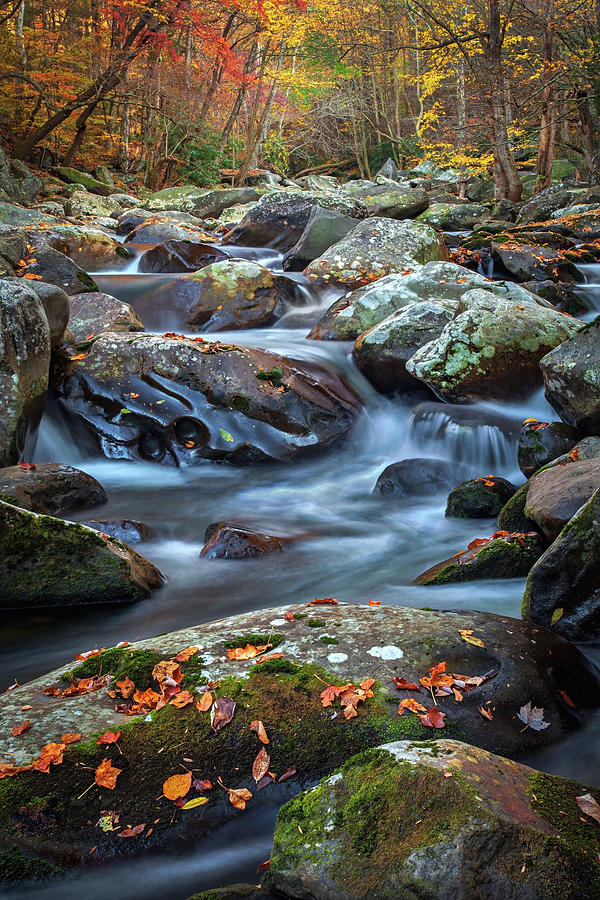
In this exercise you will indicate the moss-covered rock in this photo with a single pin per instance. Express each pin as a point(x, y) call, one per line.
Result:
point(436, 821)
point(47, 562)
point(179, 256)
point(97, 313)
point(453, 216)
point(508, 556)
point(541, 442)
point(393, 200)
point(74, 176)
point(512, 515)
point(571, 377)
point(479, 498)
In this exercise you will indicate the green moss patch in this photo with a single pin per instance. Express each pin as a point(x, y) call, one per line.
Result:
point(16, 866)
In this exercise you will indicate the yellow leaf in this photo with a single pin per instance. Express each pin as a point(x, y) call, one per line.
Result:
point(556, 615)
point(197, 801)
point(468, 636)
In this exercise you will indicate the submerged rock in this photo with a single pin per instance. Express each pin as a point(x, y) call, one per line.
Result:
point(503, 556)
point(416, 477)
point(522, 663)
point(555, 494)
point(45, 562)
point(563, 587)
point(171, 399)
point(127, 530)
point(96, 313)
point(541, 442)
point(435, 821)
point(51, 488)
point(479, 498)
point(571, 377)
point(227, 541)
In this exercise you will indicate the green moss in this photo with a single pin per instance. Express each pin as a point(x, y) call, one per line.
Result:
point(316, 623)
point(241, 404)
point(277, 667)
point(274, 375)
point(16, 866)
point(512, 515)
point(300, 615)
point(123, 251)
point(325, 639)
point(473, 499)
point(498, 559)
point(120, 662)
point(8, 498)
point(257, 640)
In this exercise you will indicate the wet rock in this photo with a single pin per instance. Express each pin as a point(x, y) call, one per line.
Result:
point(588, 448)
point(56, 268)
point(172, 400)
point(453, 216)
point(506, 556)
point(157, 232)
point(396, 201)
point(90, 248)
point(541, 442)
point(492, 350)
point(324, 228)
point(479, 498)
point(359, 310)
point(555, 494)
point(377, 247)
point(127, 530)
point(416, 477)
point(411, 820)
point(542, 205)
point(93, 314)
point(56, 306)
point(226, 295)
point(381, 353)
point(571, 379)
point(563, 588)
point(179, 256)
point(235, 892)
point(227, 541)
point(45, 562)
point(24, 366)
point(535, 665)
point(280, 217)
point(512, 515)
point(135, 216)
point(525, 262)
point(51, 488)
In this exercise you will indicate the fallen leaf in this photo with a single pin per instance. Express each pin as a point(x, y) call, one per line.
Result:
point(259, 728)
point(325, 601)
point(132, 831)
point(19, 729)
point(557, 615)
point(268, 657)
point(106, 774)
point(167, 668)
point(486, 713)
point(239, 798)
point(264, 865)
point(403, 685)
point(433, 718)
point(52, 691)
point(205, 702)
point(468, 636)
point(574, 454)
point(26, 707)
point(182, 699)
point(247, 652)
point(27, 466)
point(289, 773)
point(177, 786)
point(566, 698)
point(70, 738)
point(9, 769)
point(374, 602)
point(196, 801)
point(186, 654)
point(222, 712)
point(261, 764)
point(109, 737)
point(588, 805)
point(126, 687)
point(289, 616)
point(412, 705)
point(533, 717)
point(108, 820)
point(226, 435)
point(201, 785)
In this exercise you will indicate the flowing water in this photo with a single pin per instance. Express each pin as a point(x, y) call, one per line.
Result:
point(352, 545)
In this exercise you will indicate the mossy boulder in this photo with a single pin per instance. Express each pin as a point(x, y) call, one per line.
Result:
point(453, 216)
point(157, 229)
point(512, 515)
point(87, 246)
point(572, 377)
point(51, 488)
point(74, 176)
point(82, 203)
point(436, 821)
point(491, 350)
point(169, 399)
point(563, 587)
point(377, 247)
point(396, 201)
point(506, 556)
point(57, 268)
point(541, 442)
point(97, 313)
point(46, 562)
point(479, 498)
point(556, 493)
point(56, 306)
point(10, 214)
point(180, 198)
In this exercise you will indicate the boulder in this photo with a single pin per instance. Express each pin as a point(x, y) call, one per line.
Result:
point(13, 244)
point(500, 556)
point(17, 182)
point(523, 663)
point(93, 314)
point(51, 488)
point(543, 204)
point(563, 587)
point(127, 530)
point(227, 541)
point(359, 310)
point(479, 498)
point(512, 515)
point(453, 216)
point(54, 267)
point(408, 820)
point(396, 201)
point(24, 366)
point(492, 350)
point(377, 247)
point(22, 218)
point(45, 562)
point(56, 306)
point(323, 228)
point(74, 176)
point(416, 477)
point(541, 442)
point(151, 231)
point(381, 353)
point(179, 256)
point(103, 174)
point(170, 399)
point(389, 169)
point(555, 494)
point(89, 247)
point(180, 199)
point(588, 448)
point(318, 182)
point(212, 203)
point(572, 376)
point(82, 203)
point(280, 217)
point(525, 262)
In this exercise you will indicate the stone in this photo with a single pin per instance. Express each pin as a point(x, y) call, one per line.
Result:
point(507, 556)
point(87, 246)
point(378, 642)
point(389, 169)
point(555, 494)
point(127, 530)
point(233, 215)
point(453, 216)
point(104, 175)
point(94, 314)
point(541, 442)
point(56, 306)
point(17, 216)
point(436, 820)
point(324, 228)
point(24, 367)
point(362, 309)
point(151, 231)
point(381, 353)
point(512, 515)
point(572, 379)
point(82, 203)
point(416, 477)
point(377, 247)
point(398, 201)
point(212, 203)
point(74, 176)
point(50, 488)
point(492, 350)
point(280, 217)
point(17, 181)
point(542, 205)
point(45, 562)
point(181, 199)
point(318, 183)
point(198, 400)
point(55, 267)
point(236, 892)
point(525, 262)
point(479, 498)
point(179, 256)
point(228, 541)
point(563, 588)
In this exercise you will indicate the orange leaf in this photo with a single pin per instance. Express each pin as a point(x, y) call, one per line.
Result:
point(186, 654)
point(374, 602)
point(410, 703)
point(132, 831)
point(126, 687)
point(574, 454)
point(289, 616)
point(247, 652)
point(326, 601)
point(70, 738)
point(259, 728)
point(433, 718)
point(167, 668)
point(268, 657)
point(106, 774)
point(403, 685)
point(19, 729)
point(26, 466)
point(31, 277)
point(261, 764)
point(177, 786)
point(205, 702)
point(182, 699)
point(109, 737)
point(52, 691)
point(486, 713)
point(239, 798)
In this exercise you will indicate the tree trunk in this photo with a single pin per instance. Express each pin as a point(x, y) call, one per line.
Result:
point(506, 176)
point(545, 156)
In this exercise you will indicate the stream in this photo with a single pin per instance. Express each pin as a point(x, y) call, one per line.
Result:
point(355, 546)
